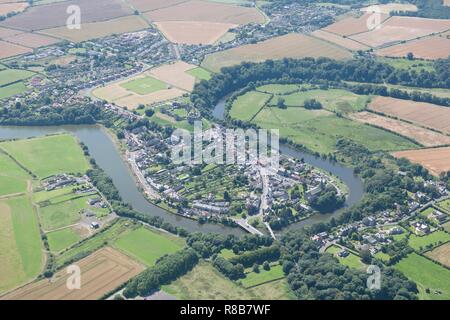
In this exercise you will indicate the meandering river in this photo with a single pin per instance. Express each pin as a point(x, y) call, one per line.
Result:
point(105, 153)
point(354, 183)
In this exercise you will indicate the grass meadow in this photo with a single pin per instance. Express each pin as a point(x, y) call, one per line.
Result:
point(147, 246)
point(49, 155)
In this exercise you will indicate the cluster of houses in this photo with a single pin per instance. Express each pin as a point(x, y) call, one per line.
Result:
point(147, 46)
point(377, 230)
point(97, 62)
point(294, 17)
point(170, 109)
point(149, 155)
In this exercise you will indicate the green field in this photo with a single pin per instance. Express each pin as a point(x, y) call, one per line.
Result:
point(382, 256)
point(204, 282)
point(421, 242)
point(402, 63)
point(148, 246)
point(61, 239)
point(145, 85)
point(352, 260)
point(319, 130)
point(43, 195)
point(200, 73)
point(12, 90)
point(13, 179)
point(427, 212)
point(253, 279)
point(336, 100)
point(447, 226)
point(227, 254)
point(166, 120)
point(280, 88)
point(445, 204)
point(48, 156)
point(8, 76)
point(62, 214)
point(20, 243)
point(106, 236)
point(426, 274)
point(246, 106)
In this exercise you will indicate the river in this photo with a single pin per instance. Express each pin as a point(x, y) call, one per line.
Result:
point(105, 153)
point(354, 183)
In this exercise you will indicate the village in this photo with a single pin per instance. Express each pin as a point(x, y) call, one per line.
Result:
point(73, 69)
point(421, 217)
point(245, 194)
point(283, 19)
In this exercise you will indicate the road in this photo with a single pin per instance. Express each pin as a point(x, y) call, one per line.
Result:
point(149, 191)
point(246, 226)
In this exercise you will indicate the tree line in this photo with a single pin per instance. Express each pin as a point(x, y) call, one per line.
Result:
point(21, 115)
point(231, 79)
point(167, 269)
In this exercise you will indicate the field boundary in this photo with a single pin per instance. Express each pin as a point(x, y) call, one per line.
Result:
point(265, 282)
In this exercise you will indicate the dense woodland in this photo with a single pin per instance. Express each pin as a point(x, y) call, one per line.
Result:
point(21, 115)
point(167, 269)
point(312, 275)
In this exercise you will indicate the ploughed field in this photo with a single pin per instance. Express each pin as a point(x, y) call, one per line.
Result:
point(288, 46)
point(162, 83)
point(420, 113)
point(390, 36)
point(101, 272)
point(436, 160)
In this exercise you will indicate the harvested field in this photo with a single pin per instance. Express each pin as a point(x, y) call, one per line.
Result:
point(196, 10)
point(339, 40)
point(31, 40)
point(54, 14)
point(118, 94)
point(387, 8)
point(6, 8)
point(176, 75)
point(101, 272)
point(5, 32)
point(99, 29)
point(352, 25)
point(10, 50)
point(436, 160)
point(423, 136)
point(424, 114)
point(146, 5)
point(397, 29)
point(432, 48)
point(133, 101)
point(441, 254)
point(193, 32)
point(290, 46)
